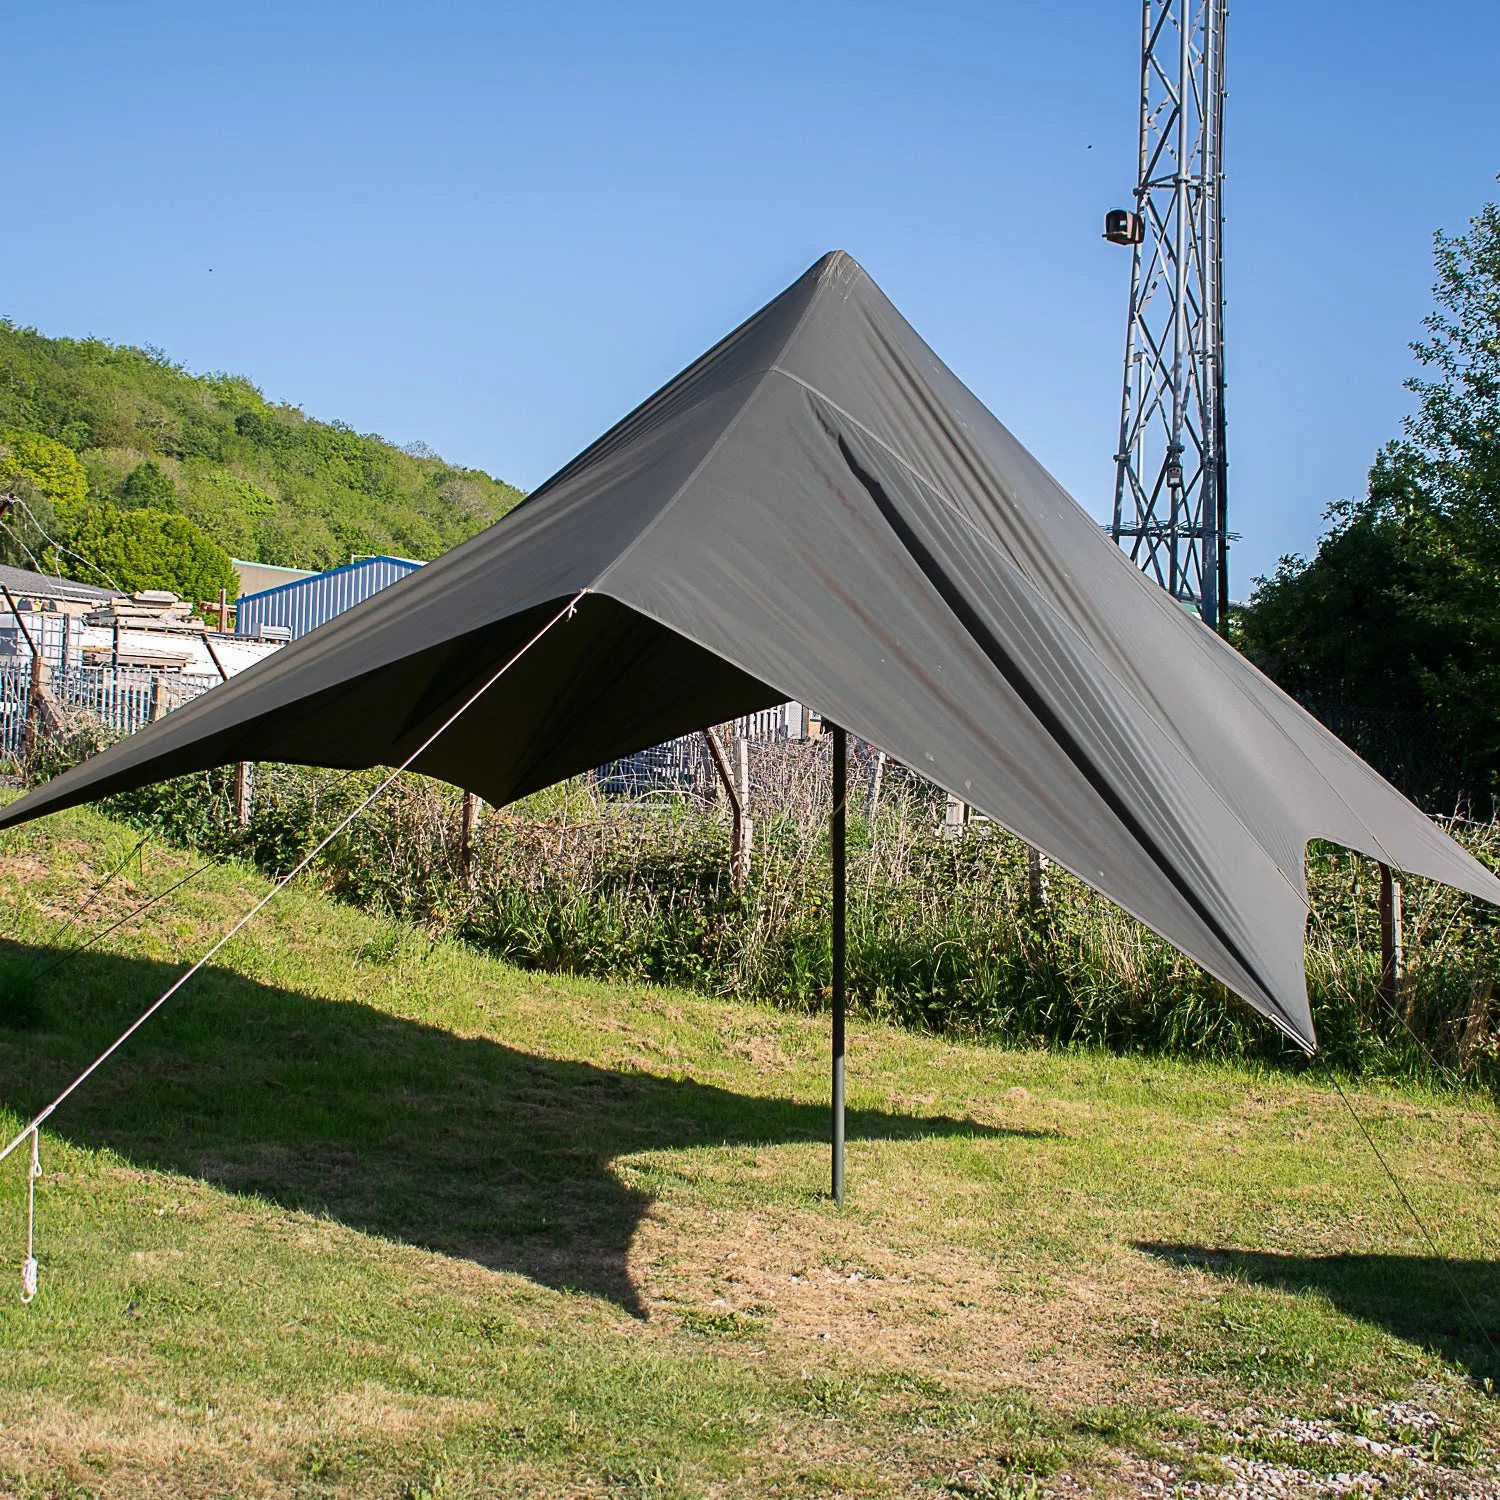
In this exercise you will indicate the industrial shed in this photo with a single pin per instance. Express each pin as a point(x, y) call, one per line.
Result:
point(305, 603)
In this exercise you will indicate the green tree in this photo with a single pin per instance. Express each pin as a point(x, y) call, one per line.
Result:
point(1400, 608)
point(152, 549)
point(233, 511)
point(150, 485)
point(52, 467)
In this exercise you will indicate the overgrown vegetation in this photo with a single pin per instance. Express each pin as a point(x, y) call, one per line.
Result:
point(103, 442)
point(943, 936)
point(1399, 611)
point(363, 1213)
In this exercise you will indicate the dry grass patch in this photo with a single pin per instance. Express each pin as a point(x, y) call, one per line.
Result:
point(795, 1285)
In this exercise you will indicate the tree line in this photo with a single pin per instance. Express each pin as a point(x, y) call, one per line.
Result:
point(1398, 612)
point(121, 467)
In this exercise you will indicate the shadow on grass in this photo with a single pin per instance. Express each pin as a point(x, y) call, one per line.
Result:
point(396, 1128)
point(1451, 1307)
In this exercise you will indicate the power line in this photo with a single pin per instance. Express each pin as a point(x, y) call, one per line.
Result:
point(24, 548)
point(52, 542)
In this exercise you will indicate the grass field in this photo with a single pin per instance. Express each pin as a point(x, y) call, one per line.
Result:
point(360, 1214)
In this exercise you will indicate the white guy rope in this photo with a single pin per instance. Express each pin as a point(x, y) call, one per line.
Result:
point(28, 1266)
point(566, 612)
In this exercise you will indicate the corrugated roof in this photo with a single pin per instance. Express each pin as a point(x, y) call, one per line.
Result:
point(306, 603)
point(23, 582)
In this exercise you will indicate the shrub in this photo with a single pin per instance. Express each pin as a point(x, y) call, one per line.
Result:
point(51, 466)
point(148, 484)
point(941, 933)
point(152, 549)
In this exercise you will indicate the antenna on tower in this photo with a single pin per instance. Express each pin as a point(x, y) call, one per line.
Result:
point(1171, 475)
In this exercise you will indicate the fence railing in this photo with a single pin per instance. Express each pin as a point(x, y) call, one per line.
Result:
point(117, 700)
point(684, 767)
point(1406, 748)
point(124, 698)
point(120, 700)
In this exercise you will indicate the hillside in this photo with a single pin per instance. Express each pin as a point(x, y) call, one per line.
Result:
point(261, 480)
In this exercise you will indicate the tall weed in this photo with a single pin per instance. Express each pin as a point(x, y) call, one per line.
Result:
point(942, 934)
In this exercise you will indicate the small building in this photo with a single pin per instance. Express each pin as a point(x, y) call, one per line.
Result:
point(39, 591)
point(788, 721)
point(78, 625)
point(292, 609)
point(256, 578)
point(156, 631)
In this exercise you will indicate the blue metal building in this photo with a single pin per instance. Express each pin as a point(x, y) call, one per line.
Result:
point(306, 603)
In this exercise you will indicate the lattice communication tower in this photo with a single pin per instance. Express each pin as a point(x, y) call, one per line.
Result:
point(1170, 470)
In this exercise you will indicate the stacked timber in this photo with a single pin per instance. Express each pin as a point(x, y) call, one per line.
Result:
point(147, 609)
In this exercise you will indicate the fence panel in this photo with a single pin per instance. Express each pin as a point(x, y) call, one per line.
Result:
point(118, 700)
point(15, 694)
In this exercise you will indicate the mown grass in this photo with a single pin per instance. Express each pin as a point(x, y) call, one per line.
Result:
point(367, 1213)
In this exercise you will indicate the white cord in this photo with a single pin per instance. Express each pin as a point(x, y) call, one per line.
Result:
point(28, 1266)
point(28, 1273)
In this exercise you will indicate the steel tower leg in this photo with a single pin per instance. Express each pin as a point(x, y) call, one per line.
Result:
point(1170, 468)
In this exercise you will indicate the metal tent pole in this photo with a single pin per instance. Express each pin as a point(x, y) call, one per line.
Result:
point(840, 802)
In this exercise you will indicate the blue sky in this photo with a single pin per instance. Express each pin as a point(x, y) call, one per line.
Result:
point(496, 228)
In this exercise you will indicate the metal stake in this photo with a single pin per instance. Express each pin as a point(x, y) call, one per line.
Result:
point(840, 801)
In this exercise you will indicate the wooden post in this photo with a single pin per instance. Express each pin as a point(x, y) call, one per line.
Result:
point(244, 776)
point(34, 703)
point(1391, 955)
point(158, 696)
point(747, 823)
point(837, 841)
point(955, 817)
point(223, 611)
point(1036, 879)
point(244, 785)
point(877, 776)
point(472, 806)
point(739, 824)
